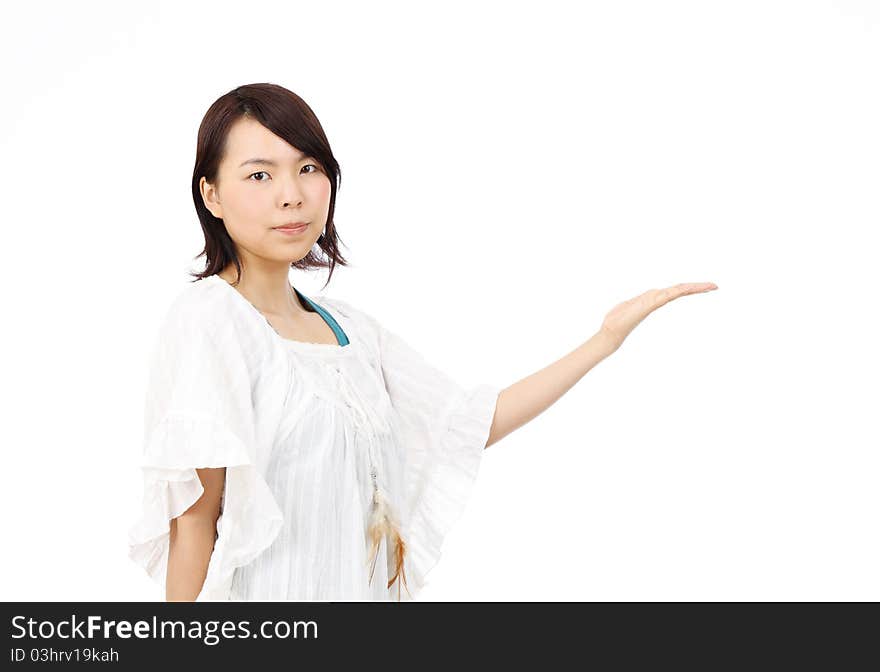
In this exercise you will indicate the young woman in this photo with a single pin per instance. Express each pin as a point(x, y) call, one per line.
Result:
point(295, 449)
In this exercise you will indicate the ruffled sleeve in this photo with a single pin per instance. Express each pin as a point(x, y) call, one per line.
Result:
point(199, 413)
point(441, 427)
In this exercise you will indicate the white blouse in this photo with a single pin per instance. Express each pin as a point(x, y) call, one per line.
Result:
point(311, 435)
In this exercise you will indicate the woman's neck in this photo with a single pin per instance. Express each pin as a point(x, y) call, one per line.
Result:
point(270, 293)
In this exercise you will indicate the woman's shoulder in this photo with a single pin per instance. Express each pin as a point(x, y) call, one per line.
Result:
point(197, 302)
point(206, 308)
point(363, 320)
point(344, 308)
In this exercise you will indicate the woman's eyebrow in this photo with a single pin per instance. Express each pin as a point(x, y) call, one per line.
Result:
point(268, 162)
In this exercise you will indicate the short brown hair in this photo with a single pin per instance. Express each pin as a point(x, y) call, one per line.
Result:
point(287, 116)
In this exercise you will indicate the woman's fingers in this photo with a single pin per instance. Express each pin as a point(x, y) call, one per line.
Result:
point(625, 316)
point(664, 296)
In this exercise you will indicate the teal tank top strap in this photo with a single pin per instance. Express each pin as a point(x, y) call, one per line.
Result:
point(341, 338)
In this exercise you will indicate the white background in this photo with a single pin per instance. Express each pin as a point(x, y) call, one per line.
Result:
point(511, 171)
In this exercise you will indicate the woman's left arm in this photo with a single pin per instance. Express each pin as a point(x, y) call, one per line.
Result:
point(529, 397)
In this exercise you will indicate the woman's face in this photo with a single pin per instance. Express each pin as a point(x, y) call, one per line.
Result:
point(264, 183)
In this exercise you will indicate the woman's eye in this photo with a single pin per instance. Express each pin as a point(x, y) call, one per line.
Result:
point(263, 172)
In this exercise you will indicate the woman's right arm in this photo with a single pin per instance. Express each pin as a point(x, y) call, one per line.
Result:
point(192, 540)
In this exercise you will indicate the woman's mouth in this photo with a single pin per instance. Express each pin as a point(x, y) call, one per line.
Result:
point(292, 230)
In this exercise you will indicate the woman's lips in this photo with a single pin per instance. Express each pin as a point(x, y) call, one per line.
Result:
point(291, 230)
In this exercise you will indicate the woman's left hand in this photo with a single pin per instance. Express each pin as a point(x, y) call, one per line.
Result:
point(624, 317)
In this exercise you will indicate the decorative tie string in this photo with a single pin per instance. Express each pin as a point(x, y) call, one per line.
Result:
point(382, 521)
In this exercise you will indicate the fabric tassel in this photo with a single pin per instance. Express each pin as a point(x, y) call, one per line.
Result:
point(383, 524)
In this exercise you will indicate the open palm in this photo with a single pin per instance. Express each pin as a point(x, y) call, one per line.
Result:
point(624, 317)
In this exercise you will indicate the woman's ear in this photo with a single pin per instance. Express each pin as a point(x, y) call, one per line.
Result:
point(209, 196)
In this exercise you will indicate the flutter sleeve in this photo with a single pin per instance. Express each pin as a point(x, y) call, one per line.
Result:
point(441, 427)
point(199, 413)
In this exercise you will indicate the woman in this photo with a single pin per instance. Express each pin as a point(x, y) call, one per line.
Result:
point(297, 449)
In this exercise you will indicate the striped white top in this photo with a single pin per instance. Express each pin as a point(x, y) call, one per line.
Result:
point(307, 432)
